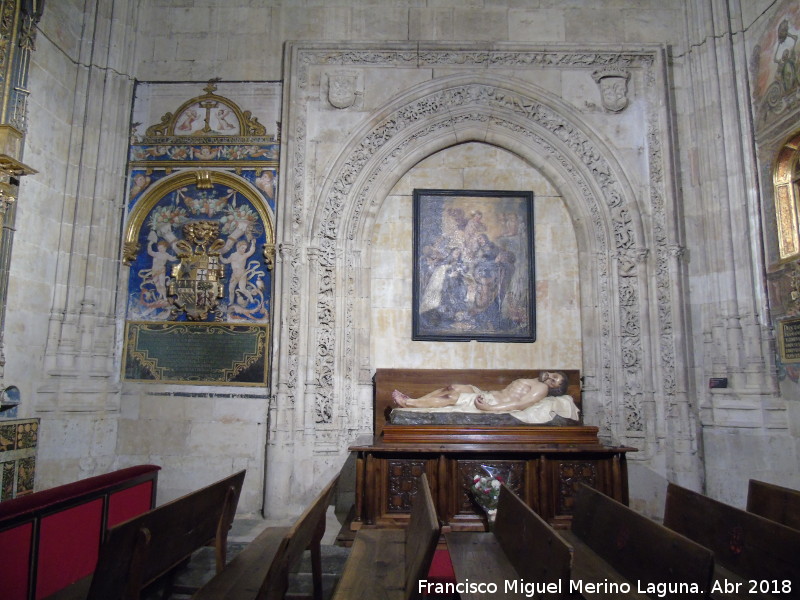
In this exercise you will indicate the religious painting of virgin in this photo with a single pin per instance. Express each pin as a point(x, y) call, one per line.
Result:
point(473, 273)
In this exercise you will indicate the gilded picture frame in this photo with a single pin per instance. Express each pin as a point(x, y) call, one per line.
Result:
point(473, 266)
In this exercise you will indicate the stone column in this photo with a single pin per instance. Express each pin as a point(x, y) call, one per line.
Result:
point(80, 384)
point(725, 192)
point(728, 289)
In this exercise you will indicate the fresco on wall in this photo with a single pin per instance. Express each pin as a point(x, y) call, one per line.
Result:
point(242, 253)
point(199, 238)
point(775, 65)
point(775, 85)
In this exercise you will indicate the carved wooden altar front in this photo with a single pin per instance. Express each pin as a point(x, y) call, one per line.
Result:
point(544, 476)
point(542, 464)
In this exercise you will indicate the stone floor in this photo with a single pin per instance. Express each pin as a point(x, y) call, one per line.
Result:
point(201, 567)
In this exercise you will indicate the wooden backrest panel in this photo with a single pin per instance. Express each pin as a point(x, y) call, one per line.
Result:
point(742, 542)
point(637, 547)
point(418, 382)
point(307, 529)
point(422, 535)
point(774, 502)
point(139, 550)
point(535, 550)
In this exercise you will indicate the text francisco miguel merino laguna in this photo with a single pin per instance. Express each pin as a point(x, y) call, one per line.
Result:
point(531, 588)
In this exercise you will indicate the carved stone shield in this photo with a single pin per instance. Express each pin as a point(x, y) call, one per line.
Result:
point(342, 89)
point(613, 88)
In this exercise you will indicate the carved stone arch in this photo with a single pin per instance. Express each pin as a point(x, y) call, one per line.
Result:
point(368, 145)
point(532, 124)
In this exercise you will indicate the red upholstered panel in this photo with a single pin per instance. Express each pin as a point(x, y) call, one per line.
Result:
point(15, 550)
point(44, 499)
point(69, 542)
point(441, 570)
point(126, 504)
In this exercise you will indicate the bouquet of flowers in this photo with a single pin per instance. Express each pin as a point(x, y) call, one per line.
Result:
point(486, 491)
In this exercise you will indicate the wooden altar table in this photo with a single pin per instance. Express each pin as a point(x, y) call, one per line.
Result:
point(545, 476)
point(542, 464)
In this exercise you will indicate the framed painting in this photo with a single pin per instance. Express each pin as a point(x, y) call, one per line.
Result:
point(473, 273)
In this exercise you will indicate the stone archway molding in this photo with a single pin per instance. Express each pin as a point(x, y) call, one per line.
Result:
point(628, 255)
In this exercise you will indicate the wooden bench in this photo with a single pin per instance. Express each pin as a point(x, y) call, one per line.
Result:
point(50, 539)
point(390, 563)
point(774, 502)
point(746, 546)
point(140, 551)
point(261, 570)
point(522, 546)
point(617, 547)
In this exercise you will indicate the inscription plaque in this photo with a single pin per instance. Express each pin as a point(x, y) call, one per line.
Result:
point(789, 340)
point(197, 353)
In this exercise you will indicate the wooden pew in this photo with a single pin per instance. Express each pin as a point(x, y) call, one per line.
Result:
point(390, 563)
point(746, 546)
point(141, 550)
point(774, 502)
point(616, 546)
point(522, 546)
point(261, 570)
point(50, 539)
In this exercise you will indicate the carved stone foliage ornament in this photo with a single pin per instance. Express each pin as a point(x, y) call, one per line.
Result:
point(613, 88)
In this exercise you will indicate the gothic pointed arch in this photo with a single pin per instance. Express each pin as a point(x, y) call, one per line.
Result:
point(545, 132)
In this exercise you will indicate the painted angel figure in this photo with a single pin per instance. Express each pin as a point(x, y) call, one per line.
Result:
point(153, 287)
point(251, 303)
point(237, 260)
point(158, 271)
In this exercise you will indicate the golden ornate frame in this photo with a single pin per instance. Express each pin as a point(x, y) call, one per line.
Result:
point(199, 177)
point(248, 124)
point(785, 182)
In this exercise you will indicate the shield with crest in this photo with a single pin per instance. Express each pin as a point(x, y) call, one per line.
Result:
point(613, 88)
point(342, 89)
point(196, 284)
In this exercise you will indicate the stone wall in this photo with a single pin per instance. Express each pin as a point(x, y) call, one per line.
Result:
point(61, 323)
point(476, 166)
point(663, 200)
point(608, 159)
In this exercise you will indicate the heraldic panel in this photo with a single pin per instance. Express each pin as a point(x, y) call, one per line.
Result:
point(200, 242)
